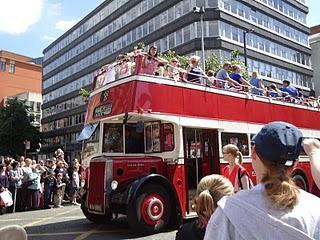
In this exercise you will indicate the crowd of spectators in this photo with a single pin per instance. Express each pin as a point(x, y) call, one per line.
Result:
point(44, 184)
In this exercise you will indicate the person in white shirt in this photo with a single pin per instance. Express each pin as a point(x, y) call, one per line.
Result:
point(276, 208)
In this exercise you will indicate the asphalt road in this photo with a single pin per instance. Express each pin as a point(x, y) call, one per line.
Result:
point(69, 223)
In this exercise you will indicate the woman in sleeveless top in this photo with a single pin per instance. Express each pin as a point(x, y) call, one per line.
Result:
point(150, 63)
point(194, 72)
point(235, 172)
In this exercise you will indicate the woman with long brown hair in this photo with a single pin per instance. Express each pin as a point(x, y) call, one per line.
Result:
point(275, 208)
point(210, 190)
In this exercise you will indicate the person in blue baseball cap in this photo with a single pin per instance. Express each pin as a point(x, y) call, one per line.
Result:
point(275, 208)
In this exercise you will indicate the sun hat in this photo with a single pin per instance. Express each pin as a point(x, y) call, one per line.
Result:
point(279, 142)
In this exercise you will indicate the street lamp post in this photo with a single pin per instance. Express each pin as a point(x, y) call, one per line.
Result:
point(245, 45)
point(201, 11)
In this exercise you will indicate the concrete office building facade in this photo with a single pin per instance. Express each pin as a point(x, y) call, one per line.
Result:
point(278, 48)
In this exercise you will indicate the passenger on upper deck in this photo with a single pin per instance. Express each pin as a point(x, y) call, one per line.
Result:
point(257, 84)
point(194, 72)
point(223, 74)
point(274, 91)
point(151, 61)
point(174, 69)
point(237, 76)
point(286, 87)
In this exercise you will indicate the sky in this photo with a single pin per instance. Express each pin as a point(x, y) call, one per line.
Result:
point(27, 27)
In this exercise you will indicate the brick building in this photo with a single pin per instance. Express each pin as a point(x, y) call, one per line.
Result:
point(18, 74)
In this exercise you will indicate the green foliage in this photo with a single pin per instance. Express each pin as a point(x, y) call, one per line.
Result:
point(84, 93)
point(214, 63)
point(140, 45)
point(169, 55)
point(15, 128)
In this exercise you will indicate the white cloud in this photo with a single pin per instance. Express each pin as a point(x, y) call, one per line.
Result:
point(17, 16)
point(48, 38)
point(65, 25)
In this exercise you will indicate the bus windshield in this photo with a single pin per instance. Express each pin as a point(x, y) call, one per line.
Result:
point(139, 137)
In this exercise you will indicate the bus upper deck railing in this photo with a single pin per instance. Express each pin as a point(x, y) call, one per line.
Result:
point(131, 64)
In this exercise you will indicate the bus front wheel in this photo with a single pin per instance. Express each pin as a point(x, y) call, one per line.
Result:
point(150, 210)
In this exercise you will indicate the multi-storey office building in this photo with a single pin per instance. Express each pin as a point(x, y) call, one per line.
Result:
point(278, 48)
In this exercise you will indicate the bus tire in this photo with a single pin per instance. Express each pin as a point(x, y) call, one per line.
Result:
point(150, 211)
point(300, 181)
point(96, 218)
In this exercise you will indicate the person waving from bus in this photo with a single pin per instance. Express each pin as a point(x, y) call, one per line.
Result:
point(275, 208)
point(234, 171)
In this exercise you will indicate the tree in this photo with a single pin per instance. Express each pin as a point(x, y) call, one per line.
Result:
point(214, 63)
point(169, 55)
point(16, 128)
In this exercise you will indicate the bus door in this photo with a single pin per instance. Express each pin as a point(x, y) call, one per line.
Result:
point(200, 157)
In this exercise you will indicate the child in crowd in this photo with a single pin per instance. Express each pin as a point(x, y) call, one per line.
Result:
point(75, 185)
point(59, 191)
point(209, 191)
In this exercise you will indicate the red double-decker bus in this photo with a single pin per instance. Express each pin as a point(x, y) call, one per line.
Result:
point(148, 140)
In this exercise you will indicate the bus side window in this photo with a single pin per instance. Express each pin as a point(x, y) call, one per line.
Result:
point(167, 137)
point(238, 139)
point(152, 137)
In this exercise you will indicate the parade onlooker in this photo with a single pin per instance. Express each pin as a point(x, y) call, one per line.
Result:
point(13, 232)
point(209, 191)
point(15, 179)
point(59, 190)
point(74, 185)
point(274, 91)
point(151, 61)
point(234, 171)
point(276, 208)
point(4, 184)
point(312, 149)
point(194, 72)
point(286, 87)
point(257, 84)
point(48, 178)
point(223, 75)
point(174, 69)
point(238, 77)
point(26, 170)
point(33, 192)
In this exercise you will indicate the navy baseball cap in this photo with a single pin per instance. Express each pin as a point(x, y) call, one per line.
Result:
point(279, 142)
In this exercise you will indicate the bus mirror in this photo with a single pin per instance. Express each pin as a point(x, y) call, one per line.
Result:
point(139, 127)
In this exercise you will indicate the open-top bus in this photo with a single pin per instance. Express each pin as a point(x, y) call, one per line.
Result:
point(148, 140)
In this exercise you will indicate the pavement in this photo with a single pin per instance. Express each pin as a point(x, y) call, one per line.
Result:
point(69, 223)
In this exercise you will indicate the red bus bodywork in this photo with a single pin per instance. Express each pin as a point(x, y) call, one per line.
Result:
point(209, 109)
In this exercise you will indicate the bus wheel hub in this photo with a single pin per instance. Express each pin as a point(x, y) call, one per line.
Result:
point(152, 209)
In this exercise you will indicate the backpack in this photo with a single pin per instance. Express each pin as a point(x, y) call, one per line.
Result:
point(241, 172)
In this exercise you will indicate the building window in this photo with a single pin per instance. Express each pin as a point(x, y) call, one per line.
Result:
point(12, 68)
point(2, 65)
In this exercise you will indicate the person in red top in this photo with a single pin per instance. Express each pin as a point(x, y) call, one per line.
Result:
point(235, 172)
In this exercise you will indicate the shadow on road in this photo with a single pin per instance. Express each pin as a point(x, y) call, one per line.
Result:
point(83, 229)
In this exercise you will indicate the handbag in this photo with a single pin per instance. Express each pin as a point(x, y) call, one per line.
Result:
point(6, 199)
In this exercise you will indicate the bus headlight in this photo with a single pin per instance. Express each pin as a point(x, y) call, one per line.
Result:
point(114, 185)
